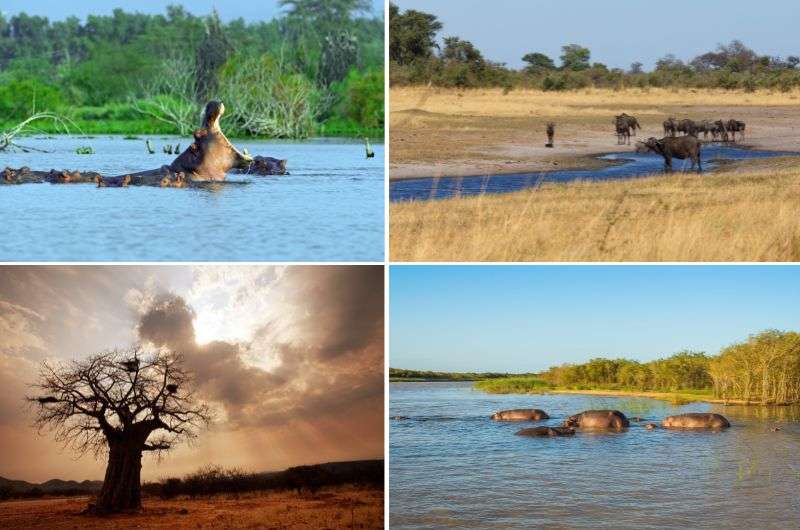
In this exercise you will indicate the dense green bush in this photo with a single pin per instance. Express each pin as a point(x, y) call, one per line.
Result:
point(20, 98)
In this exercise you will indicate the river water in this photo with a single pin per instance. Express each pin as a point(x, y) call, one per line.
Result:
point(628, 165)
point(331, 207)
point(453, 467)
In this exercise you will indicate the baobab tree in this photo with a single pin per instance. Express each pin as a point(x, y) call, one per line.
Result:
point(121, 404)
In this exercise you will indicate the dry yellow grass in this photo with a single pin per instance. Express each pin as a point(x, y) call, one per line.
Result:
point(345, 507)
point(733, 216)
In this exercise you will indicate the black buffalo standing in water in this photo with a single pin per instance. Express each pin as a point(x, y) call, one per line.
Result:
point(720, 130)
point(681, 147)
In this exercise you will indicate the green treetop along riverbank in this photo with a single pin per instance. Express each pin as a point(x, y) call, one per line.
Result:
point(315, 70)
point(764, 369)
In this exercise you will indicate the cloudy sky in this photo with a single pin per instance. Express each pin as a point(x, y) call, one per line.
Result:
point(291, 357)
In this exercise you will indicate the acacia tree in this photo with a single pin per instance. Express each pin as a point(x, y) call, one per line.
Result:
point(123, 404)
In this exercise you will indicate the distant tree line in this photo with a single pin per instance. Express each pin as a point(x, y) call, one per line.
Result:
point(319, 65)
point(417, 58)
point(213, 480)
point(423, 375)
point(765, 369)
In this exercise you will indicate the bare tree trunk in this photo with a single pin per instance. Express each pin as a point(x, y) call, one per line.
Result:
point(121, 489)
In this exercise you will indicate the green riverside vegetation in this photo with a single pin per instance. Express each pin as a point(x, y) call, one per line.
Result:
point(416, 58)
point(317, 69)
point(763, 369)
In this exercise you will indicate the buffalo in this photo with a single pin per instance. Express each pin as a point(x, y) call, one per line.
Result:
point(735, 126)
point(687, 127)
point(551, 131)
point(670, 126)
point(681, 147)
point(628, 121)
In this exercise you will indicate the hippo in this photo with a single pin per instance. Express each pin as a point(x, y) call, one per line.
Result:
point(651, 426)
point(598, 419)
point(520, 415)
point(264, 165)
point(546, 431)
point(681, 147)
point(212, 154)
point(696, 420)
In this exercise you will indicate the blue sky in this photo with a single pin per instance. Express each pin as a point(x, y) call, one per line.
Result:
point(505, 30)
point(527, 318)
point(228, 9)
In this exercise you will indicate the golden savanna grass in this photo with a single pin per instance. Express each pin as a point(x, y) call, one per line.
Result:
point(346, 507)
point(731, 216)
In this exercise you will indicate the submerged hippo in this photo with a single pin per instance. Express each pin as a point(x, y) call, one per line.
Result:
point(681, 147)
point(520, 415)
point(651, 426)
point(598, 419)
point(264, 165)
point(696, 420)
point(546, 431)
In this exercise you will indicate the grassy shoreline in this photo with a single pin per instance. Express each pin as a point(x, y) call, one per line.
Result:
point(534, 386)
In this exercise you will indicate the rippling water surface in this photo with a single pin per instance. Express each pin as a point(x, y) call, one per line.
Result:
point(632, 165)
point(452, 467)
point(329, 209)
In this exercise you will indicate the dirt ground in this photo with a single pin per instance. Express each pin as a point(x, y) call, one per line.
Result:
point(447, 132)
point(337, 508)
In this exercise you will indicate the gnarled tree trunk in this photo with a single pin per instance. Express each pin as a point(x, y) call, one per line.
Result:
point(122, 488)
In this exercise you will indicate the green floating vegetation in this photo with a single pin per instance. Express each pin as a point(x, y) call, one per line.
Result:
point(85, 150)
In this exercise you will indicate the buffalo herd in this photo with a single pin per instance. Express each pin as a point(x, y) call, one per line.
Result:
point(681, 137)
point(607, 420)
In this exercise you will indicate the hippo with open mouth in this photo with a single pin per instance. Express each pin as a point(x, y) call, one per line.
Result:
point(598, 419)
point(696, 420)
point(520, 415)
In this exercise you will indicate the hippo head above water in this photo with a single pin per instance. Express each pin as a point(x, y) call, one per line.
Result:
point(211, 155)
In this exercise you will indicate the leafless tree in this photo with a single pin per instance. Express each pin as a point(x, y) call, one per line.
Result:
point(119, 403)
point(170, 96)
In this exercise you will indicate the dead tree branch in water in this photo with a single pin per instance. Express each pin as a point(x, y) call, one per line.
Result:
point(7, 137)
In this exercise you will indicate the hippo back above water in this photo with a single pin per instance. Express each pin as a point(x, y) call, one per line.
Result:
point(598, 419)
point(696, 420)
point(546, 431)
point(520, 415)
